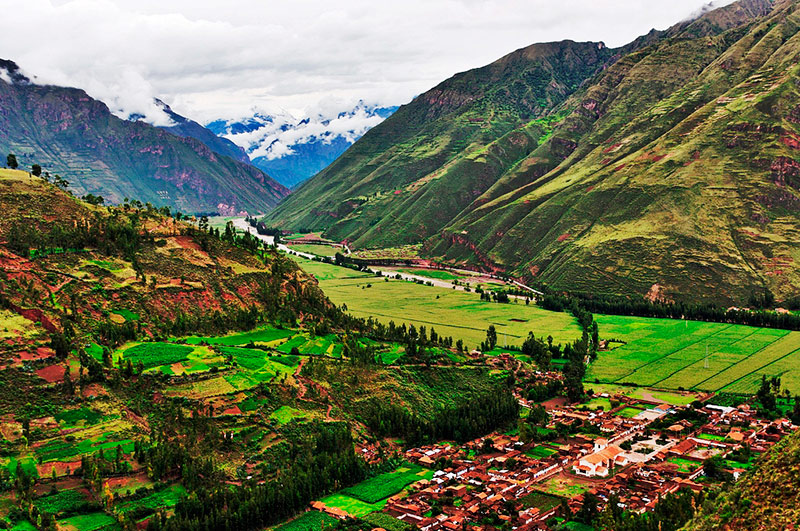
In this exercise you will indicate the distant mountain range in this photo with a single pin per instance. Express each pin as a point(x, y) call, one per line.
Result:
point(69, 133)
point(292, 149)
point(669, 167)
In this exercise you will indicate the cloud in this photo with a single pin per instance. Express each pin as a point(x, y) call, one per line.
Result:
point(210, 59)
point(275, 133)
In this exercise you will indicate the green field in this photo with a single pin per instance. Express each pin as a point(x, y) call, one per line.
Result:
point(317, 249)
point(438, 274)
point(671, 354)
point(684, 465)
point(385, 485)
point(261, 335)
point(88, 522)
point(309, 521)
point(352, 506)
point(455, 313)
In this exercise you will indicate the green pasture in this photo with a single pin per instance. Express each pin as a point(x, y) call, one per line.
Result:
point(260, 365)
point(88, 522)
point(385, 485)
point(671, 354)
point(315, 248)
point(352, 506)
point(684, 465)
point(260, 335)
point(454, 313)
point(192, 358)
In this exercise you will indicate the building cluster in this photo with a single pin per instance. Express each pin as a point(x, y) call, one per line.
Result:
point(638, 450)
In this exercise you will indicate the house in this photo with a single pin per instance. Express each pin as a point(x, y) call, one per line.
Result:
point(601, 461)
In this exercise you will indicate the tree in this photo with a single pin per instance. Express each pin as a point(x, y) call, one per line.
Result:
point(11, 161)
point(491, 338)
point(36, 170)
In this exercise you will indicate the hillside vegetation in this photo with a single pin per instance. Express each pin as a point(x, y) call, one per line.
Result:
point(673, 170)
point(69, 133)
point(768, 497)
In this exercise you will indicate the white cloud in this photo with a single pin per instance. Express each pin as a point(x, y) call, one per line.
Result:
point(211, 59)
point(279, 131)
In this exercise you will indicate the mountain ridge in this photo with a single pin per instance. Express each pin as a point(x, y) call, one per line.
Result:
point(68, 132)
point(575, 198)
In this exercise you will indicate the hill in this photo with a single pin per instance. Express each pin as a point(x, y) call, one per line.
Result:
point(671, 172)
point(69, 133)
point(766, 498)
point(433, 134)
point(69, 267)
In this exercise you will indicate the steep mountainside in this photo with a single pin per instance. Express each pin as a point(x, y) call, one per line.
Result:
point(189, 128)
point(292, 149)
point(673, 169)
point(438, 134)
point(71, 134)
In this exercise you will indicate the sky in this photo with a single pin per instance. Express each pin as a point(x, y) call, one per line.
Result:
point(212, 59)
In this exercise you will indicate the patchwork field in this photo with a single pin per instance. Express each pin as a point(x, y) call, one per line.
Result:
point(673, 354)
point(452, 313)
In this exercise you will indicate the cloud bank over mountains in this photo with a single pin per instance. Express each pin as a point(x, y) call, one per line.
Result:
point(210, 59)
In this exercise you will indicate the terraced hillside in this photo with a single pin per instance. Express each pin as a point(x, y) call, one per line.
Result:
point(69, 133)
point(122, 271)
point(672, 171)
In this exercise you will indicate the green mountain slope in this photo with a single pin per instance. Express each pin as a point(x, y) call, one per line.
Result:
point(69, 133)
point(768, 497)
point(397, 167)
point(672, 172)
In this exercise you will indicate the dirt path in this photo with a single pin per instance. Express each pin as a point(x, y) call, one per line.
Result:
point(299, 379)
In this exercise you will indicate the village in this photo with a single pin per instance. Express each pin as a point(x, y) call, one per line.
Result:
point(639, 450)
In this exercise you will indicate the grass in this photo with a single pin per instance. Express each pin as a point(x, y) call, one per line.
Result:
point(564, 487)
point(352, 506)
point(454, 313)
point(711, 437)
point(62, 502)
point(628, 412)
point(671, 354)
point(155, 354)
point(385, 485)
point(684, 465)
point(317, 249)
point(73, 417)
point(286, 414)
point(675, 398)
point(309, 521)
point(88, 522)
point(261, 335)
point(438, 274)
point(539, 452)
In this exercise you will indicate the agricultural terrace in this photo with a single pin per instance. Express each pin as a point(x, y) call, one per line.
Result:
point(671, 354)
point(451, 312)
